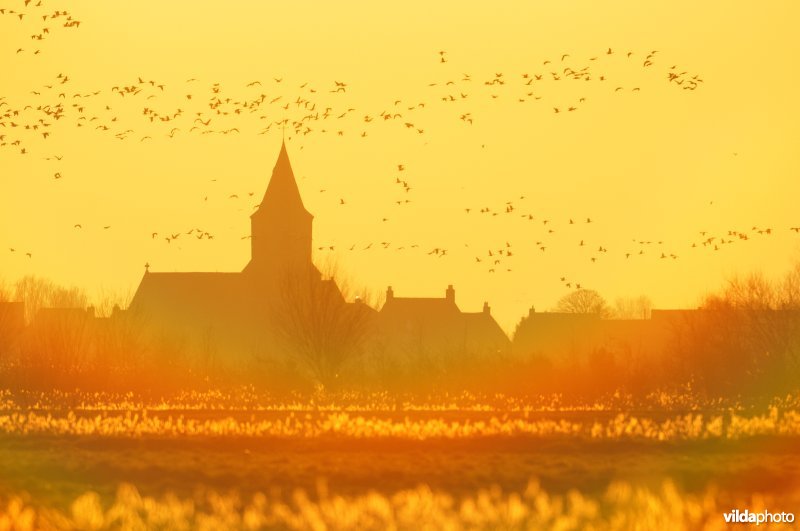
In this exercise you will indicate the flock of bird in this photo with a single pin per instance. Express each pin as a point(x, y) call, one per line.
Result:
point(551, 233)
point(40, 21)
point(302, 109)
point(193, 108)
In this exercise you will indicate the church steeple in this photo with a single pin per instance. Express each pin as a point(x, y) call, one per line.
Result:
point(282, 191)
point(280, 236)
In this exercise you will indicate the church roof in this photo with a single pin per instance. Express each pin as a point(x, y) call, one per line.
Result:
point(282, 192)
point(189, 289)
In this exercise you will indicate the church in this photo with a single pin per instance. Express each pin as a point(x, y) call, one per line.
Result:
point(280, 303)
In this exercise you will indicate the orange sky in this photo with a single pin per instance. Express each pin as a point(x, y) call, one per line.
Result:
point(656, 164)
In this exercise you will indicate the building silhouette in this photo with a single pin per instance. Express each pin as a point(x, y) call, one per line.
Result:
point(281, 308)
point(435, 332)
point(242, 316)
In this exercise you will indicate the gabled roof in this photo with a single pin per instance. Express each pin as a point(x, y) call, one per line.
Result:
point(481, 325)
point(420, 306)
point(187, 289)
point(282, 191)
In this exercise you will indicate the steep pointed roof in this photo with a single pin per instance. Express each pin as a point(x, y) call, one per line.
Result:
point(282, 189)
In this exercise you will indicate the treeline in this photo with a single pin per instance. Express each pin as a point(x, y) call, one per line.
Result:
point(69, 349)
point(743, 341)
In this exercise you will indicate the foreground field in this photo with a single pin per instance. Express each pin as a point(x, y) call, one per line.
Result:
point(621, 507)
point(100, 463)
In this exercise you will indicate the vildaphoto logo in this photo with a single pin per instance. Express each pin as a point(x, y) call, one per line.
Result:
point(746, 517)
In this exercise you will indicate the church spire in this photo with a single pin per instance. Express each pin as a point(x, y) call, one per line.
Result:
point(282, 191)
point(280, 237)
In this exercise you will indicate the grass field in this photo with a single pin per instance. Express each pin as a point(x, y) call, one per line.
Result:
point(187, 463)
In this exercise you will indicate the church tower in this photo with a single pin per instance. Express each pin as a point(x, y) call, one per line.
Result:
point(280, 236)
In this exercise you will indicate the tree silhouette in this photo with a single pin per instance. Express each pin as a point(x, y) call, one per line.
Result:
point(584, 301)
point(318, 329)
point(744, 339)
point(632, 308)
point(40, 293)
point(7, 331)
point(5, 291)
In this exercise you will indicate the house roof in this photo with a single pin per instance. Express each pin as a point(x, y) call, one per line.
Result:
point(420, 306)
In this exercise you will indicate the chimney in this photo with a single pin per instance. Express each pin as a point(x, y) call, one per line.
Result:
point(531, 311)
point(486, 308)
point(450, 294)
point(389, 294)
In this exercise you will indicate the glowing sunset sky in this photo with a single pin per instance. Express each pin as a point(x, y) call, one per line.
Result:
point(659, 164)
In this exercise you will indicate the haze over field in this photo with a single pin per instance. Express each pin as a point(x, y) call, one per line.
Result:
point(671, 124)
point(631, 166)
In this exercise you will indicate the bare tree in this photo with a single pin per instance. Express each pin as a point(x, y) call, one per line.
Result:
point(107, 301)
point(745, 338)
point(318, 328)
point(40, 293)
point(5, 291)
point(584, 301)
point(632, 308)
point(790, 289)
point(120, 343)
point(9, 329)
point(58, 347)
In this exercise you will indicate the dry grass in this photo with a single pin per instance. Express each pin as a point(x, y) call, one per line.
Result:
point(246, 398)
point(622, 507)
point(252, 461)
point(345, 425)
